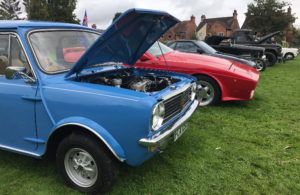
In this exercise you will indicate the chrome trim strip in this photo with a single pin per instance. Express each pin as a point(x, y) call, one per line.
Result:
point(178, 91)
point(47, 30)
point(16, 85)
point(21, 151)
point(91, 130)
point(90, 93)
point(164, 135)
point(21, 44)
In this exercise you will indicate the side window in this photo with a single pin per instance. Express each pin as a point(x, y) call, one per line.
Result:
point(17, 55)
point(4, 42)
point(172, 45)
point(182, 46)
point(192, 48)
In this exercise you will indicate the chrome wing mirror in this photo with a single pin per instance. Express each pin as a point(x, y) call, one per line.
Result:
point(13, 72)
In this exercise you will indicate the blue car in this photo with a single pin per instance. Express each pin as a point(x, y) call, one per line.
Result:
point(64, 92)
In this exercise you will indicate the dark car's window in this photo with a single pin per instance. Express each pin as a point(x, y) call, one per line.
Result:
point(206, 48)
point(3, 53)
point(243, 36)
point(155, 50)
point(186, 47)
point(172, 46)
point(60, 50)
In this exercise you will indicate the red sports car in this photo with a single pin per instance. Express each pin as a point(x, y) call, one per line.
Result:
point(218, 79)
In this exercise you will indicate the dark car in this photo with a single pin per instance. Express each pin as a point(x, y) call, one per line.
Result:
point(245, 37)
point(194, 46)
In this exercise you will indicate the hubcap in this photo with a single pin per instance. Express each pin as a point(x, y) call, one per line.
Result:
point(289, 57)
point(259, 65)
point(81, 167)
point(206, 93)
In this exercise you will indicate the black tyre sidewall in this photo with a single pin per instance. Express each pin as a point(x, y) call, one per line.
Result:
point(264, 64)
point(216, 87)
point(288, 54)
point(273, 57)
point(96, 150)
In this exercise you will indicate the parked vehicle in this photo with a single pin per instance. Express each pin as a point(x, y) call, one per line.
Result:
point(193, 46)
point(217, 79)
point(90, 114)
point(290, 53)
point(249, 38)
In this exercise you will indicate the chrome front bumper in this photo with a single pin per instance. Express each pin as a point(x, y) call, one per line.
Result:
point(264, 57)
point(162, 138)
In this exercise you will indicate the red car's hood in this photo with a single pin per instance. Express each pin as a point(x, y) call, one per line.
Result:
point(202, 60)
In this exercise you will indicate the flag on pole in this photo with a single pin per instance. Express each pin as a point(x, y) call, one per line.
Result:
point(85, 19)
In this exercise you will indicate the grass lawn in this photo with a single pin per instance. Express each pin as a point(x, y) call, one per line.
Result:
point(250, 159)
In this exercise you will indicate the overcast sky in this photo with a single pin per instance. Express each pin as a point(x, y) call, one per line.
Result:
point(101, 12)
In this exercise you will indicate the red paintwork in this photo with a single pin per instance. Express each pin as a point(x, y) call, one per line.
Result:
point(72, 54)
point(236, 80)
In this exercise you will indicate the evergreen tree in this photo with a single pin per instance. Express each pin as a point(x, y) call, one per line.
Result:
point(194, 36)
point(267, 16)
point(116, 16)
point(36, 9)
point(51, 10)
point(10, 10)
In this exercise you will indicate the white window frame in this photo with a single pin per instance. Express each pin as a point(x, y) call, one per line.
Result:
point(182, 36)
point(221, 34)
point(200, 35)
point(170, 36)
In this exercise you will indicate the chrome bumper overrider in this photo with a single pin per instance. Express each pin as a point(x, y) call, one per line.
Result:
point(162, 138)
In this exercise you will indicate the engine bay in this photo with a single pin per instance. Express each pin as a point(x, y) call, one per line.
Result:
point(126, 79)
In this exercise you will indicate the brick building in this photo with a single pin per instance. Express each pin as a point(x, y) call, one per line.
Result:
point(223, 26)
point(182, 30)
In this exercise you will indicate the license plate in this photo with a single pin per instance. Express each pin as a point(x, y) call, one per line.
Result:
point(180, 131)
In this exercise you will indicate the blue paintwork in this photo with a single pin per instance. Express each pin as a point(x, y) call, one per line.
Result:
point(126, 39)
point(31, 112)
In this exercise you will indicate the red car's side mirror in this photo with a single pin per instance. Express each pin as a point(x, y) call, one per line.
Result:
point(145, 58)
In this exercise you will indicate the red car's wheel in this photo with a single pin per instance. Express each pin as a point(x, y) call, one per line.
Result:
point(209, 92)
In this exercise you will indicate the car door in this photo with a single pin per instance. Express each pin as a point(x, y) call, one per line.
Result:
point(17, 115)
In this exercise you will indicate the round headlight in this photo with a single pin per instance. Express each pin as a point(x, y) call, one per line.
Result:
point(158, 114)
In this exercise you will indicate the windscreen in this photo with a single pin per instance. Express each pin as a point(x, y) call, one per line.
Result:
point(155, 50)
point(206, 48)
point(60, 50)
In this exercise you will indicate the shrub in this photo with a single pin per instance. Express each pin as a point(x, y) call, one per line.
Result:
point(164, 42)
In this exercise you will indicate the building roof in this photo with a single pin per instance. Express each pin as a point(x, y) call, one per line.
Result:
point(180, 27)
point(224, 21)
point(245, 25)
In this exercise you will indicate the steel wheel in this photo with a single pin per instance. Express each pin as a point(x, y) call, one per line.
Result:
point(289, 56)
point(260, 65)
point(206, 93)
point(81, 167)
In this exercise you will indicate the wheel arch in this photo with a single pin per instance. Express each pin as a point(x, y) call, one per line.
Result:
point(215, 79)
point(74, 124)
point(272, 50)
point(289, 53)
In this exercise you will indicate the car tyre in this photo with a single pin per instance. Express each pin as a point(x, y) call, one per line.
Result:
point(271, 59)
point(260, 64)
point(85, 164)
point(209, 90)
point(289, 56)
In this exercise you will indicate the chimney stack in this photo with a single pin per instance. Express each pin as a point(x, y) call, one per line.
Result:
point(193, 19)
point(289, 10)
point(202, 17)
point(235, 14)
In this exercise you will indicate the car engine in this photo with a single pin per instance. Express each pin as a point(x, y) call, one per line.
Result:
point(148, 83)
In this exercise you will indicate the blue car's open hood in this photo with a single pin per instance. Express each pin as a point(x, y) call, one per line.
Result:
point(126, 39)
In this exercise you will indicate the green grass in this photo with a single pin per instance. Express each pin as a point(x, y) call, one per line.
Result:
point(251, 136)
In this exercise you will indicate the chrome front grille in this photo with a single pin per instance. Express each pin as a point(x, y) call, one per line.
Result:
point(176, 104)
